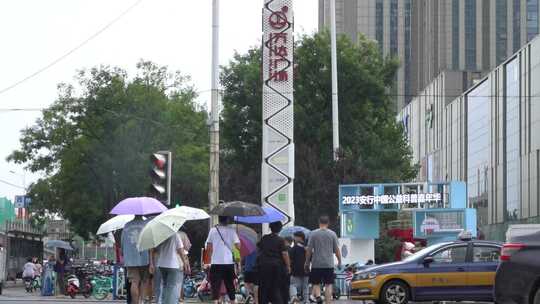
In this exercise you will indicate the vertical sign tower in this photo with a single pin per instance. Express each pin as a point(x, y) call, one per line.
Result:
point(277, 174)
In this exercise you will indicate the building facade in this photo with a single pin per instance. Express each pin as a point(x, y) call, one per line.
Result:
point(488, 136)
point(388, 22)
point(431, 36)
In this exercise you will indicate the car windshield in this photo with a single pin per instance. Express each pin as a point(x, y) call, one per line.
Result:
point(424, 252)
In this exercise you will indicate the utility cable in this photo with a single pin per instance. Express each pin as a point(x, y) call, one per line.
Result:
point(10, 184)
point(73, 50)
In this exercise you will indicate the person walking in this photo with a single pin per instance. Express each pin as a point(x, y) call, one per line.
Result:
point(219, 246)
point(135, 261)
point(299, 277)
point(186, 242)
point(274, 267)
point(172, 263)
point(60, 269)
point(251, 276)
point(321, 248)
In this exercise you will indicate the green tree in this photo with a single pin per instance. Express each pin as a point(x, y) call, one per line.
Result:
point(93, 143)
point(373, 148)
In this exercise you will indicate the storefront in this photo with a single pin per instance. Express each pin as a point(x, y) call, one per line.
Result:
point(439, 213)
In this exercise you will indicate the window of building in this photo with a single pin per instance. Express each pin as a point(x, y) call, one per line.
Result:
point(470, 34)
point(501, 34)
point(379, 30)
point(532, 19)
point(455, 34)
point(407, 59)
point(479, 149)
point(394, 15)
point(516, 25)
point(512, 147)
point(451, 255)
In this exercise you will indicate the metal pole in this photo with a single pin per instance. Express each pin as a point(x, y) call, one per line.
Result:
point(335, 114)
point(213, 193)
point(169, 178)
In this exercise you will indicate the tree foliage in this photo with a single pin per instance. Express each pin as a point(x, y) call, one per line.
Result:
point(93, 143)
point(373, 148)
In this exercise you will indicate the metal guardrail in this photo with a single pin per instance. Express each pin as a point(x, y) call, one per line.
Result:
point(20, 226)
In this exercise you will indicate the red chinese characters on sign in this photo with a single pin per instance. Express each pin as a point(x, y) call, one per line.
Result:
point(277, 46)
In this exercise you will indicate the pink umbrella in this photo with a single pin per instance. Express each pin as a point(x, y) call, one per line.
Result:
point(247, 247)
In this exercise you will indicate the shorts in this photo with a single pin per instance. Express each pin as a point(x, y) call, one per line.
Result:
point(137, 274)
point(251, 277)
point(222, 274)
point(322, 276)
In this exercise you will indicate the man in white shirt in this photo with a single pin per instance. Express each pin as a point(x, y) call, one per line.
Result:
point(29, 270)
point(220, 245)
point(170, 260)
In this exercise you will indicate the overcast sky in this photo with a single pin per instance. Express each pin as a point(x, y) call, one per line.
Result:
point(176, 33)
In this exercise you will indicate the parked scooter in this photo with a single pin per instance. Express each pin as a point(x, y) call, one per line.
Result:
point(73, 285)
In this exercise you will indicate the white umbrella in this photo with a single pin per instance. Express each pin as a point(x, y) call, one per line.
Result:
point(160, 229)
point(190, 213)
point(116, 223)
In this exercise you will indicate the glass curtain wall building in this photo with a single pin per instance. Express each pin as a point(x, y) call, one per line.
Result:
point(489, 137)
point(431, 36)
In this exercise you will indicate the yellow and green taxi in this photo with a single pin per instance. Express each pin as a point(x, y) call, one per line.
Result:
point(454, 271)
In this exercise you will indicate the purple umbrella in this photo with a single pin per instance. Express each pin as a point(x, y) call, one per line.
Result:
point(139, 206)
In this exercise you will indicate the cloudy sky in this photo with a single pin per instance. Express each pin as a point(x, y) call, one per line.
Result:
point(176, 33)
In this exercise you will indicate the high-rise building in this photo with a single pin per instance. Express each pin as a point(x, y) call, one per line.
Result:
point(386, 21)
point(488, 137)
point(431, 36)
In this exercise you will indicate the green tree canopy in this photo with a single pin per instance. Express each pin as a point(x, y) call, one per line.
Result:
point(93, 143)
point(373, 148)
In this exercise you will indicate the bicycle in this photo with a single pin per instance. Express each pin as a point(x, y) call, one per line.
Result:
point(190, 288)
point(101, 286)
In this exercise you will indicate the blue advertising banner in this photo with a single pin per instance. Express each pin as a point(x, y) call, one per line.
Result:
point(22, 201)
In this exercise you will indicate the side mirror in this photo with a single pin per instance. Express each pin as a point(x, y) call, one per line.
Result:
point(428, 260)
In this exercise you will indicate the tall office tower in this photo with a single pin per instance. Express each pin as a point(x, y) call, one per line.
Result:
point(430, 36)
point(386, 21)
point(469, 35)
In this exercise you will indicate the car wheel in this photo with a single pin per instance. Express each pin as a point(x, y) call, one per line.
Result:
point(537, 297)
point(395, 292)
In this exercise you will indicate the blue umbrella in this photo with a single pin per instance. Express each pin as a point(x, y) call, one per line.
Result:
point(271, 215)
point(289, 231)
point(58, 244)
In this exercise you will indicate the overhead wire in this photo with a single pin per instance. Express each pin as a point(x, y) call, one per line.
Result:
point(71, 51)
point(11, 184)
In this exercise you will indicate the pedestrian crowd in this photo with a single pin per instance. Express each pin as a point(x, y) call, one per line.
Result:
point(278, 271)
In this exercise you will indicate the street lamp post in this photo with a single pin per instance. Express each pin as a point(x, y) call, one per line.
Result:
point(335, 106)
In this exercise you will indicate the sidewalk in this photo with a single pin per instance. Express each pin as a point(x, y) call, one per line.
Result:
point(16, 292)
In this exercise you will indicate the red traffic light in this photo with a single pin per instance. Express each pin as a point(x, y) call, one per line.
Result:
point(159, 160)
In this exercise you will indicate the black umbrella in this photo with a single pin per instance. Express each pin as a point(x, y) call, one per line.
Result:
point(238, 208)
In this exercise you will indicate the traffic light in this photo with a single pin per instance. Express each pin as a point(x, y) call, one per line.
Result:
point(161, 176)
